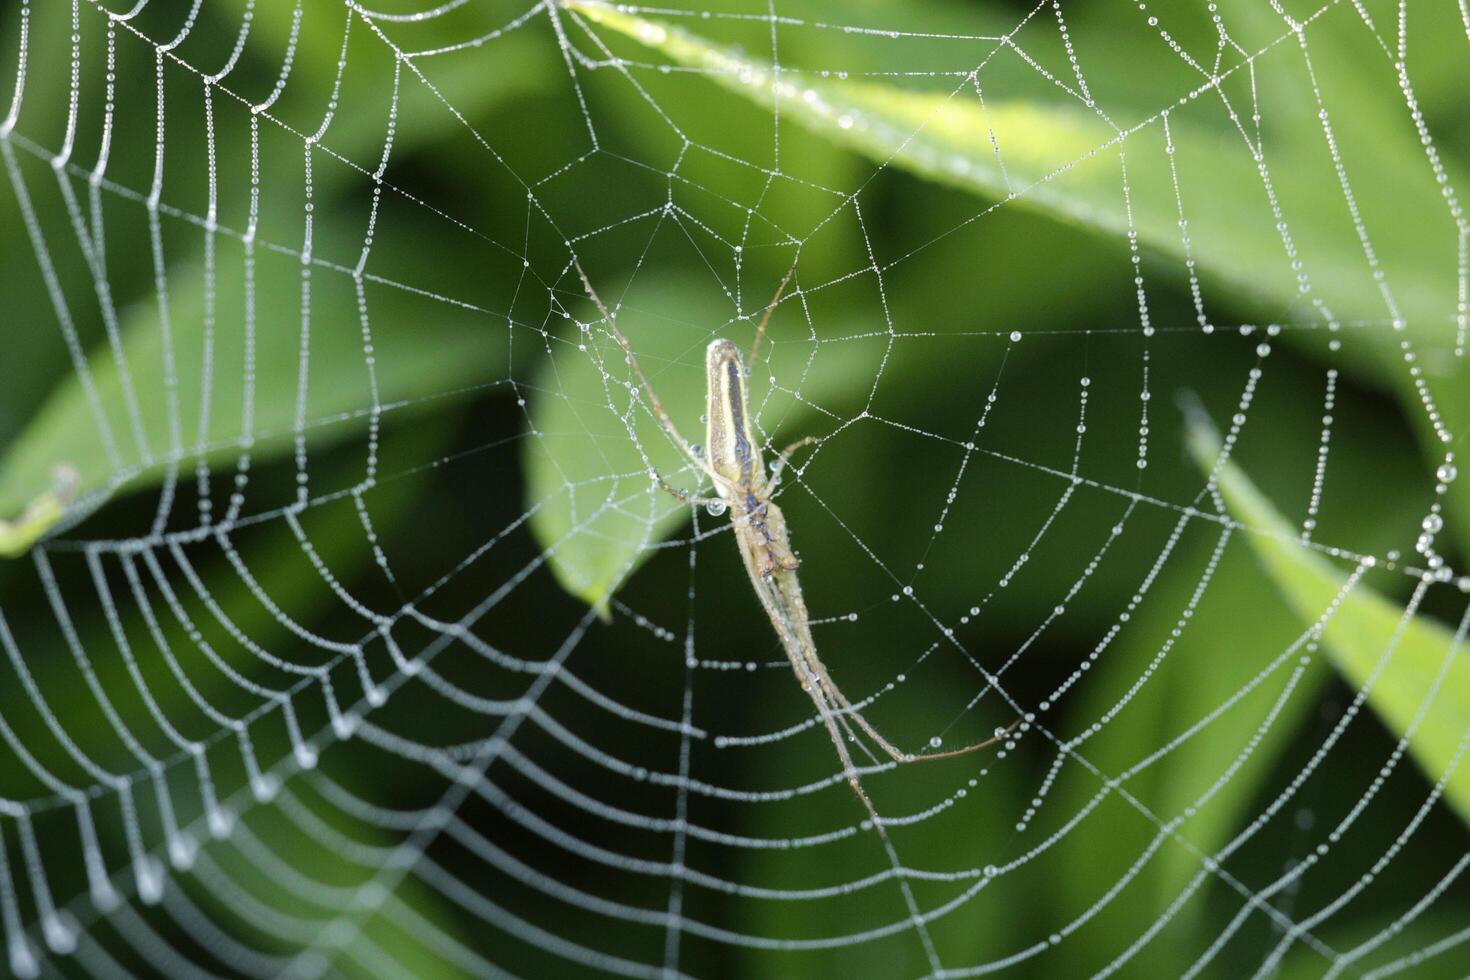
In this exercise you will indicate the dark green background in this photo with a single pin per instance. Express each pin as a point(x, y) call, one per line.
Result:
point(476, 357)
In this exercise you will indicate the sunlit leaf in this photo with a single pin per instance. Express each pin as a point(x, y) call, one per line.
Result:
point(1271, 222)
point(1410, 669)
point(19, 533)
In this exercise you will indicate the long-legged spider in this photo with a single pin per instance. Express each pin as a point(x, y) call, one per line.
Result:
point(733, 462)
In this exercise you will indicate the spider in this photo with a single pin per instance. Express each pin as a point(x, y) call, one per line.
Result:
point(733, 462)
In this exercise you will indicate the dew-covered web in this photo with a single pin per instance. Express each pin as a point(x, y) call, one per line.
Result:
point(1133, 341)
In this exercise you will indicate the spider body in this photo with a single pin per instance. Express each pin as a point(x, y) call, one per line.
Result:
point(733, 459)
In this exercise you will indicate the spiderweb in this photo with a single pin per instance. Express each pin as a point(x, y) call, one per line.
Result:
point(366, 645)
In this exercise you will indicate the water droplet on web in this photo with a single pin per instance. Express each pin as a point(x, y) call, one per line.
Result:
point(716, 508)
point(1446, 473)
point(935, 742)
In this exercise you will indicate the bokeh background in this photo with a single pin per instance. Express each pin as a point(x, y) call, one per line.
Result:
point(310, 335)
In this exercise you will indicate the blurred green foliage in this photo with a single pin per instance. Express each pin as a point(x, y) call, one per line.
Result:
point(483, 415)
point(1407, 667)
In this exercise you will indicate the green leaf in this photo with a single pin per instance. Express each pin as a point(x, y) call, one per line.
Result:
point(17, 535)
point(594, 505)
point(1063, 159)
point(424, 348)
point(1409, 668)
point(156, 416)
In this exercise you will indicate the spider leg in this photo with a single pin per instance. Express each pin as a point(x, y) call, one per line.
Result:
point(760, 331)
point(830, 719)
point(853, 780)
point(655, 405)
point(683, 495)
point(893, 751)
point(812, 685)
point(852, 737)
point(785, 457)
